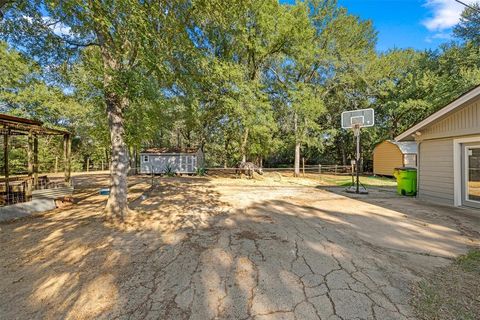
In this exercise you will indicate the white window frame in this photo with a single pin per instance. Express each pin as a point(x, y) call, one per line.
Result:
point(145, 158)
point(457, 167)
point(466, 166)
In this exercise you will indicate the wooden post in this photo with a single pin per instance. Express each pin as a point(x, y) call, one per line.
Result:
point(320, 168)
point(303, 166)
point(56, 164)
point(102, 166)
point(35, 161)
point(88, 164)
point(336, 166)
point(30, 166)
point(5, 164)
point(67, 148)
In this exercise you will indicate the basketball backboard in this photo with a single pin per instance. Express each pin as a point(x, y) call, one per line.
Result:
point(362, 118)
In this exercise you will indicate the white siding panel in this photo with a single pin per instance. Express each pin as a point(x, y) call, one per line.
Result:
point(436, 171)
point(465, 121)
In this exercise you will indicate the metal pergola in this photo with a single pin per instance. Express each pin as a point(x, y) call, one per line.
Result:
point(15, 126)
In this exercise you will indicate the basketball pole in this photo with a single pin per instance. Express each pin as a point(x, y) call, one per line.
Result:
point(356, 132)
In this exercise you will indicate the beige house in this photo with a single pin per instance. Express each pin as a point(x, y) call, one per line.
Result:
point(449, 152)
point(389, 155)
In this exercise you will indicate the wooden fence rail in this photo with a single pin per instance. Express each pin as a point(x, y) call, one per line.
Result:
point(320, 168)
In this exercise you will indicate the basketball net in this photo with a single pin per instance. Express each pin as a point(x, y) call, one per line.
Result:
point(356, 129)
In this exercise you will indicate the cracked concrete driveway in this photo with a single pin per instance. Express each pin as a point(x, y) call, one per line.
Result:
point(228, 249)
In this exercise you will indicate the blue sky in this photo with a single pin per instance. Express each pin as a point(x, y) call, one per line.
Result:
point(419, 24)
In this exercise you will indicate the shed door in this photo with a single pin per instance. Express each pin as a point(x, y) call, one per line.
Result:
point(471, 176)
point(189, 164)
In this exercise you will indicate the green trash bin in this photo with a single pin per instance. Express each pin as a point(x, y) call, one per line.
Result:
point(406, 181)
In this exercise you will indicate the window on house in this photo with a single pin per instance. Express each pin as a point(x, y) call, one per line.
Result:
point(145, 158)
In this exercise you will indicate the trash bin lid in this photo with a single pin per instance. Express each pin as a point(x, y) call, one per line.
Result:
point(406, 169)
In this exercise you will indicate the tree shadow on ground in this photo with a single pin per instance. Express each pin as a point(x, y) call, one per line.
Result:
point(188, 255)
point(465, 220)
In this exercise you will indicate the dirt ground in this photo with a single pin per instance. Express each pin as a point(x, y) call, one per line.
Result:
point(223, 248)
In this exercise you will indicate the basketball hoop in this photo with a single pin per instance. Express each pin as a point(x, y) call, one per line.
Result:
point(363, 118)
point(355, 120)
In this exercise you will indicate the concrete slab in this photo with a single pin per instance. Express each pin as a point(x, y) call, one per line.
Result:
point(22, 210)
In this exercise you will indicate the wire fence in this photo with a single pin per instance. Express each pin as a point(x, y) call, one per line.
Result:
point(320, 168)
point(20, 188)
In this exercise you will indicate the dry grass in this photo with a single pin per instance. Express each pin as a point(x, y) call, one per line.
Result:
point(451, 293)
point(272, 178)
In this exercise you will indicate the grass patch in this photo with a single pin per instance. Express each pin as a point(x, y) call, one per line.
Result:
point(369, 181)
point(470, 262)
point(452, 292)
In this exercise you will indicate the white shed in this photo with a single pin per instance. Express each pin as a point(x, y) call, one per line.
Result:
point(163, 160)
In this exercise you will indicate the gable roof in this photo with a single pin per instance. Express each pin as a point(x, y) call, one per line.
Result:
point(442, 113)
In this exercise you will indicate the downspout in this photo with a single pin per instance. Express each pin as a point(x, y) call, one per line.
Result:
point(419, 143)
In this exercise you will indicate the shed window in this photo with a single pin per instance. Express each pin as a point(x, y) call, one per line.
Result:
point(145, 158)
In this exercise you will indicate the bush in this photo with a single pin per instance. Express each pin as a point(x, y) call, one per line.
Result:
point(201, 171)
point(169, 171)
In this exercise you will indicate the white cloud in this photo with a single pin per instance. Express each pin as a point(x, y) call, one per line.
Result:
point(445, 14)
point(58, 28)
point(439, 35)
point(442, 35)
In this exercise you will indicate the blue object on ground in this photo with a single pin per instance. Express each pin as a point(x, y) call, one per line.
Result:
point(104, 192)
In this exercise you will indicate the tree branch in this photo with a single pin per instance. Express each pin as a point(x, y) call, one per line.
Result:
point(78, 44)
point(3, 4)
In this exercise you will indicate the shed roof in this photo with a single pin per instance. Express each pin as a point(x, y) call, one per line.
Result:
point(440, 114)
point(170, 150)
point(407, 147)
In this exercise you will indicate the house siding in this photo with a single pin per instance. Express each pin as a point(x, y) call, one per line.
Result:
point(436, 171)
point(436, 152)
point(465, 121)
point(386, 157)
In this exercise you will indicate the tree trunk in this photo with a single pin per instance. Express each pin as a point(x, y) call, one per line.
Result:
point(225, 153)
point(297, 159)
point(131, 156)
point(107, 157)
point(117, 205)
point(297, 146)
point(116, 102)
point(135, 158)
point(244, 145)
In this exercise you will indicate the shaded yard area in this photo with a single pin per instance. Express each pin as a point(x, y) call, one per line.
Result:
point(217, 247)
